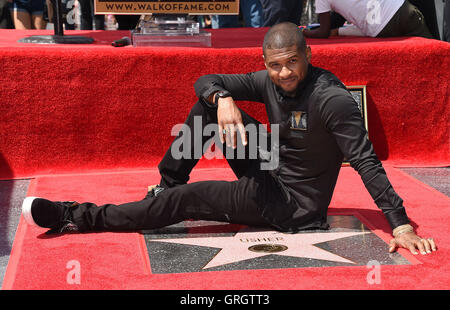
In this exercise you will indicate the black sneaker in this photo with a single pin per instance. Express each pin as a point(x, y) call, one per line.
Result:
point(154, 191)
point(55, 215)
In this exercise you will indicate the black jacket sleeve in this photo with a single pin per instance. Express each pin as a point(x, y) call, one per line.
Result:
point(343, 119)
point(241, 86)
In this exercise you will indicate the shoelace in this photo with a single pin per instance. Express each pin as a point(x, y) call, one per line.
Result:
point(67, 224)
point(66, 227)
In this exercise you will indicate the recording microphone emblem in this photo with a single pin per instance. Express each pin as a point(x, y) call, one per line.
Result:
point(121, 42)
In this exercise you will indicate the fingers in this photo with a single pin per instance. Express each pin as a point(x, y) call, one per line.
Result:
point(429, 245)
point(241, 129)
point(230, 132)
point(411, 246)
point(432, 243)
point(221, 134)
point(392, 246)
point(424, 246)
point(228, 135)
point(421, 247)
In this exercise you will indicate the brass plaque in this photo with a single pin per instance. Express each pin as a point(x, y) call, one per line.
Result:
point(268, 248)
point(358, 93)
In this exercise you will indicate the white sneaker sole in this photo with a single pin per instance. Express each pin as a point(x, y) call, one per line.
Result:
point(26, 210)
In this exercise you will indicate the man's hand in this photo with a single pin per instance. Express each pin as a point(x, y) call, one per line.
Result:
point(412, 242)
point(324, 30)
point(229, 119)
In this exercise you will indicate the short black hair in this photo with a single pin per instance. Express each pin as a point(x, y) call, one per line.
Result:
point(284, 35)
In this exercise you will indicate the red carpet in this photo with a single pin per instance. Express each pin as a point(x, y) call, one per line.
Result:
point(100, 108)
point(119, 261)
point(103, 116)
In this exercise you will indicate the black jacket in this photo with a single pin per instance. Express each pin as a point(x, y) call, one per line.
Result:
point(317, 129)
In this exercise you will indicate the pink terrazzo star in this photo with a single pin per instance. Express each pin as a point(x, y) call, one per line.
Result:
point(236, 248)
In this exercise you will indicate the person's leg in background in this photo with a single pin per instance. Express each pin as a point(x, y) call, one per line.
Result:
point(49, 7)
point(446, 22)
point(5, 16)
point(127, 22)
point(273, 12)
point(99, 19)
point(88, 16)
point(20, 14)
point(28, 14)
point(407, 21)
point(224, 21)
point(85, 15)
point(22, 20)
point(38, 21)
point(337, 21)
point(414, 23)
point(277, 11)
point(37, 14)
point(295, 9)
point(428, 10)
point(252, 13)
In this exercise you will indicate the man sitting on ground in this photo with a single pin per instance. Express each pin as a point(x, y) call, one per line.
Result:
point(316, 122)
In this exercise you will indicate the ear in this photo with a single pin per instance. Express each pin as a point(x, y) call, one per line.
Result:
point(264, 58)
point(308, 54)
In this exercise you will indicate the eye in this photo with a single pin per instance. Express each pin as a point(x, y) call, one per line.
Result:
point(293, 60)
point(275, 66)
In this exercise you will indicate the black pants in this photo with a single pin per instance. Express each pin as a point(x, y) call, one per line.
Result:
point(87, 16)
point(446, 24)
point(127, 22)
point(242, 201)
point(407, 21)
point(5, 16)
point(277, 11)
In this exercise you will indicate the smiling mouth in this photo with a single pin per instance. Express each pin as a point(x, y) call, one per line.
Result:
point(287, 81)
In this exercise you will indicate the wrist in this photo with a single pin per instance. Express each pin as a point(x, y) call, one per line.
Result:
point(402, 229)
point(221, 94)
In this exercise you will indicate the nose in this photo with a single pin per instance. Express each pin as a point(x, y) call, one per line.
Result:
point(285, 72)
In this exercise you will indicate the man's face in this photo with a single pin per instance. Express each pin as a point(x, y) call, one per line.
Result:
point(287, 67)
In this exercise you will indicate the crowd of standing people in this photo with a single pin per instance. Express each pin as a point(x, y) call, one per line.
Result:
point(330, 14)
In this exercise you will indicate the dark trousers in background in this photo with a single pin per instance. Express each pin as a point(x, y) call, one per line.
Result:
point(336, 20)
point(5, 16)
point(127, 22)
point(407, 21)
point(87, 18)
point(277, 11)
point(446, 26)
point(241, 201)
point(428, 9)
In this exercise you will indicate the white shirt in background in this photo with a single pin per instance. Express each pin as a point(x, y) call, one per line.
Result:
point(368, 17)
